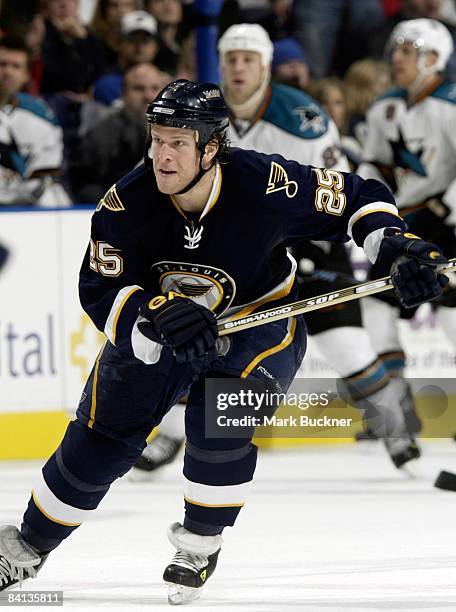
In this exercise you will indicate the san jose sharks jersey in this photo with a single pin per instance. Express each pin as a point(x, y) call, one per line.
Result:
point(293, 124)
point(31, 148)
point(233, 256)
point(417, 142)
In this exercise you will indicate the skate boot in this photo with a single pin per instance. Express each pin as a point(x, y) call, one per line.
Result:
point(402, 450)
point(160, 451)
point(194, 562)
point(386, 417)
point(18, 560)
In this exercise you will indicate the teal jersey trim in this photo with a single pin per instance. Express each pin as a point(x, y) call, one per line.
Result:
point(445, 91)
point(37, 106)
point(295, 112)
point(397, 92)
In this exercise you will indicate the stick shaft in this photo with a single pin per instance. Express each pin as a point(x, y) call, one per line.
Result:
point(229, 326)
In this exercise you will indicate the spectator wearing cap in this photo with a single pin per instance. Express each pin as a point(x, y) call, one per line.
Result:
point(138, 44)
point(289, 64)
point(106, 23)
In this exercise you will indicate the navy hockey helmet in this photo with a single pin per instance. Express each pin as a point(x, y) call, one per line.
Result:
point(192, 105)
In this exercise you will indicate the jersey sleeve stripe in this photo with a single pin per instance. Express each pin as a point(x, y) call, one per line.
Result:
point(122, 297)
point(369, 209)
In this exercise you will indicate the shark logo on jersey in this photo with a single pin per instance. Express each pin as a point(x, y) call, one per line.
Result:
point(407, 159)
point(111, 201)
point(278, 180)
point(193, 235)
point(311, 119)
point(208, 286)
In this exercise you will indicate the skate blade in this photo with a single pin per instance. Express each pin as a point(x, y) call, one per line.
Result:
point(412, 469)
point(178, 594)
point(136, 475)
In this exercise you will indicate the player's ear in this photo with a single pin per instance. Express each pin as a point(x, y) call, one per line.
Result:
point(431, 58)
point(210, 152)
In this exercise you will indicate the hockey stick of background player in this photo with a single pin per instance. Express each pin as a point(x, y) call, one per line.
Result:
point(229, 326)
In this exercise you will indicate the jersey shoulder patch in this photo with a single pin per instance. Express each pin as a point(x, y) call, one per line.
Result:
point(36, 106)
point(296, 113)
point(130, 189)
point(446, 91)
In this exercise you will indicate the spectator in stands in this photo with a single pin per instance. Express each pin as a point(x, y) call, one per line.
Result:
point(364, 81)
point(318, 25)
point(277, 22)
point(116, 144)
point(289, 64)
point(106, 24)
point(138, 44)
point(30, 141)
point(171, 30)
point(330, 93)
point(186, 66)
point(72, 57)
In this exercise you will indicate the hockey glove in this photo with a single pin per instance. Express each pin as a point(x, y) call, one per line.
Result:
point(412, 263)
point(180, 323)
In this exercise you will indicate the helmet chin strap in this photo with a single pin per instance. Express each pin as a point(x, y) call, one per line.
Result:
point(423, 72)
point(196, 179)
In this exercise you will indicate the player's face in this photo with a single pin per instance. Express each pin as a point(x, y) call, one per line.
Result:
point(242, 74)
point(13, 71)
point(174, 156)
point(404, 64)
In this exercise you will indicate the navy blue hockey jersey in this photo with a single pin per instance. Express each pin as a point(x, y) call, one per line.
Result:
point(233, 256)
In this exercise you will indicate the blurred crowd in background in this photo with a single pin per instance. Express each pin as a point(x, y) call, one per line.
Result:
point(76, 77)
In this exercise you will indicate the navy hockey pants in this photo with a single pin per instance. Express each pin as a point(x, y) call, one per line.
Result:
point(123, 400)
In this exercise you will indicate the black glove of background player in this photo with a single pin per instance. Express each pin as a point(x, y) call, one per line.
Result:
point(412, 263)
point(180, 323)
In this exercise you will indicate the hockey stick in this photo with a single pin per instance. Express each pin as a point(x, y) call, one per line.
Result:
point(229, 326)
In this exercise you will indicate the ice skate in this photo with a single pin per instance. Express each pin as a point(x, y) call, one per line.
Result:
point(403, 451)
point(18, 560)
point(191, 566)
point(160, 451)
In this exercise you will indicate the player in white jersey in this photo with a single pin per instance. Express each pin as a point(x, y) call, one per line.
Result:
point(269, 117)
point(411, 146)
point(31, 146)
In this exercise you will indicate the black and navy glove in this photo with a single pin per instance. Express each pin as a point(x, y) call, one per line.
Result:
point(180, 323)
point(412, 263)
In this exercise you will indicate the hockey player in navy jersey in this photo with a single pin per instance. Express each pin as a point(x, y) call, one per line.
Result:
point(272, 118)
point(196, 232)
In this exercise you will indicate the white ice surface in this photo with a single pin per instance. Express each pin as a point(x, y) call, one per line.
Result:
point(325, 529)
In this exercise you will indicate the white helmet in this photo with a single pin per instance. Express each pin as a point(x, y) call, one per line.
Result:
point(426, 35)
point(247, 37)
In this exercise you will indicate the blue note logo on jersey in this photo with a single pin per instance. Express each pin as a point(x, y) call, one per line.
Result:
point(208, 286)
point(278, 181)
point(111, 201)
